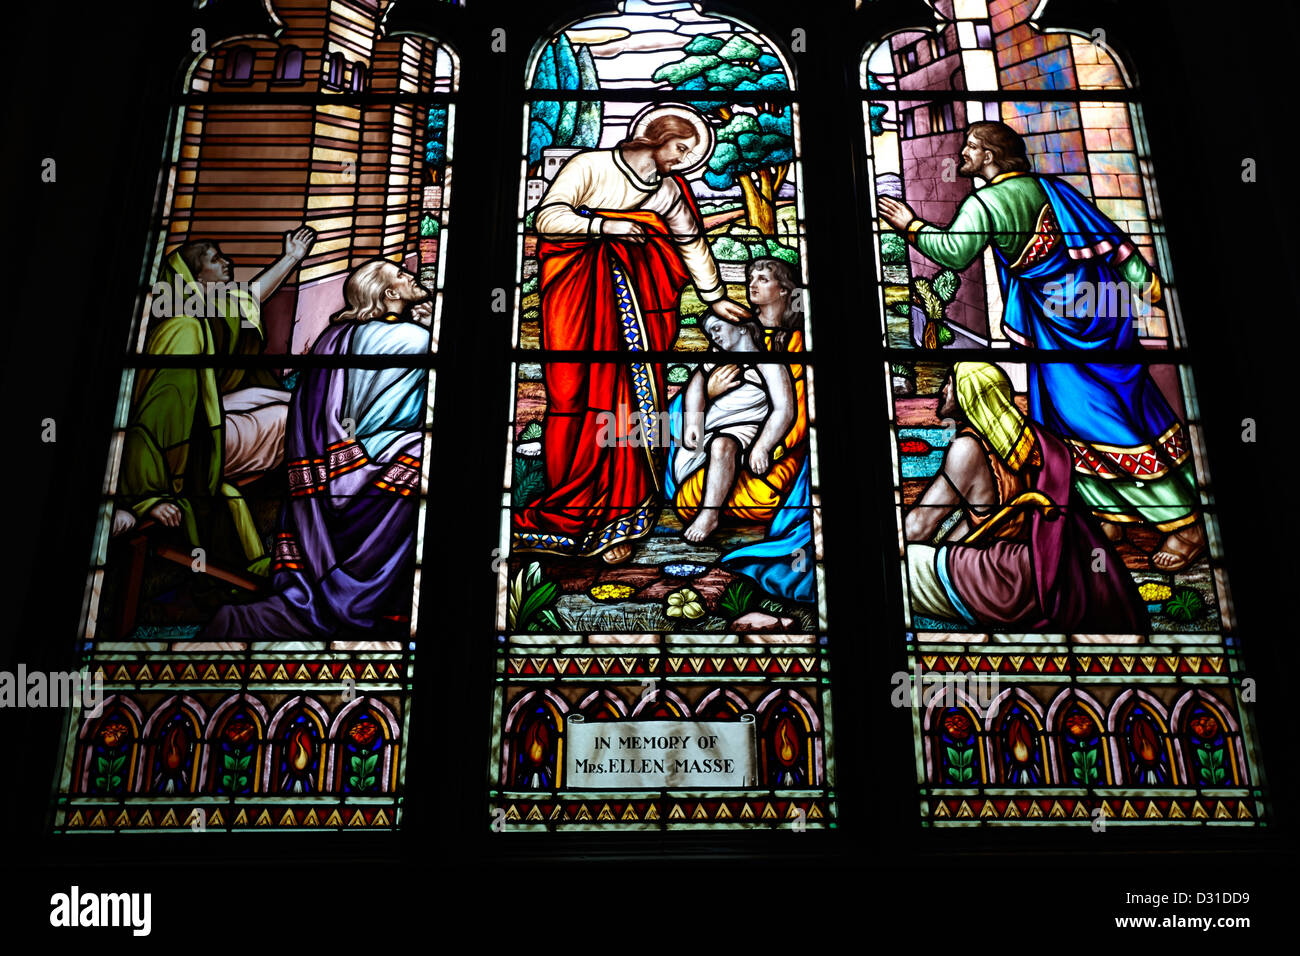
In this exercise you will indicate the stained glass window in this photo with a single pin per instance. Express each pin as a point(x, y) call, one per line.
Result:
point(1060, 570)
point(252, 604)
point(662, 629)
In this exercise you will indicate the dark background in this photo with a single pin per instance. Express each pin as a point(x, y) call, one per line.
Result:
point(93, 86)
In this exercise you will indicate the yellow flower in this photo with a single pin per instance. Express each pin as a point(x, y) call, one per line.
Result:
point(1155, 591)
point(685, 603)
point(605, 592)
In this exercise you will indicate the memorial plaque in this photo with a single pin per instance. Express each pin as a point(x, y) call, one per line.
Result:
point(660, 754)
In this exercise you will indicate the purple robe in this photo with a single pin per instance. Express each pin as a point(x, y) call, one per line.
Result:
point(344, 550)
point(1047, 583)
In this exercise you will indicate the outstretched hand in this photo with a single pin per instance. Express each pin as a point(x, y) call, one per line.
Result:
point(897, 214)
point(298, 242)
point(730, 310)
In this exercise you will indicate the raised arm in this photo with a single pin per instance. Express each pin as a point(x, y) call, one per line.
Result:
point(955, 246)
point(296, 245)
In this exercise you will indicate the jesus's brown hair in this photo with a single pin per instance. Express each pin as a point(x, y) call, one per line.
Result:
point(660, 130)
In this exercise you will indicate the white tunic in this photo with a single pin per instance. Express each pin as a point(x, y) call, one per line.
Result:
point(602, 179)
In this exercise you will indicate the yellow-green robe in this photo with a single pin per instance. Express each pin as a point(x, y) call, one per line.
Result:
point(175, 430)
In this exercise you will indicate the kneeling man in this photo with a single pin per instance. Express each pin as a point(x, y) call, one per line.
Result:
point(1026, 553)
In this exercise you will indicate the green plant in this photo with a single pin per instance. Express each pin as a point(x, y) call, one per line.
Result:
point(363, 767)
point(961, 764)
point(1211, 765)
point(1185, 605)
point(933, 295)
point(529, 480)
point(234, 767)
point(108, 770)
point(1085, 766)
point(737, 599)
point(893, 248)
point(532, 432)
point(530, 605)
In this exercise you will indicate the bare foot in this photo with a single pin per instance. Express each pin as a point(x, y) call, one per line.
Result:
point(1112, 531)
point(617, 554)
point(1180, 549)
point(702, 526)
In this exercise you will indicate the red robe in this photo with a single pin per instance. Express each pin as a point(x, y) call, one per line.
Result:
point(600, 496)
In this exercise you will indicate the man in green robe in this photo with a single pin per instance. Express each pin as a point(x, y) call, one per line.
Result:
point(174, 446)
point(1069, 279)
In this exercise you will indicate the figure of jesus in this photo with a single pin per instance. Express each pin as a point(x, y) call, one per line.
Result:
point(619, 238)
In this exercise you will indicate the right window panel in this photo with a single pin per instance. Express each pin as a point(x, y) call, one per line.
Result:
point(1067, 620)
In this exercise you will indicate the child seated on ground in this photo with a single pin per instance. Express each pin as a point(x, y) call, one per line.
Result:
point(748, 420)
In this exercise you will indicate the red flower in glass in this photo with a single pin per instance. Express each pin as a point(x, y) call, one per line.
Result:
point(363, 732)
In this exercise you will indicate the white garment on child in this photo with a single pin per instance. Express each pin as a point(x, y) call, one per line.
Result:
point(738, 412)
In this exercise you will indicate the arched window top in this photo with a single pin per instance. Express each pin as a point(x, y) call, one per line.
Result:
point(358, 76)
point(289, 64)
point(653, 46)
point(239, 65)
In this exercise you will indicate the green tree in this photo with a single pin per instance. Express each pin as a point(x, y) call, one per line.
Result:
point(754, 149)
point(564, 122)
point(876, 111)
point(435, 142)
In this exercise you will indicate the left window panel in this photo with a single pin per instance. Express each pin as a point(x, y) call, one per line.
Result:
point(251, 608)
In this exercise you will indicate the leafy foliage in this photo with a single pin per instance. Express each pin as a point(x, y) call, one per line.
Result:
point(1211, 764)
point(108, 772)
point(567, 122)
point(531, 601)
point(893, 249)
point(1085, 766)
point(749, 143)
point(876, 112)
point(363, 770)
point(234, 771)
point(737, 599)
point(529, 480)
point(435, 142)
point(1185, 605)
point(961, 764)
